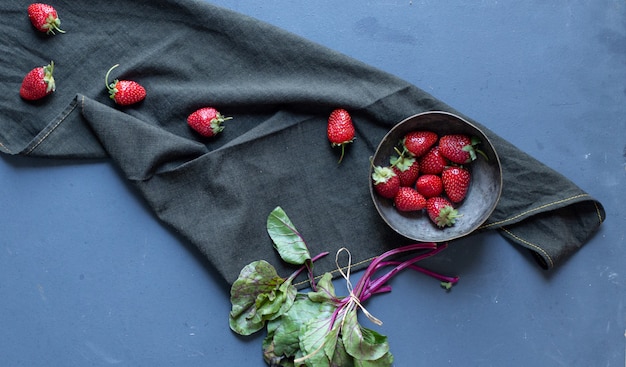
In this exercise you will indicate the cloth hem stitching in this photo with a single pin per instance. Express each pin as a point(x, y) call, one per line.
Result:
point(541, 207)
point(532, 245)
point(52, 128)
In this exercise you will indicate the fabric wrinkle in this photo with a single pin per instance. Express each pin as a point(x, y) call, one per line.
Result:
point(52, 126)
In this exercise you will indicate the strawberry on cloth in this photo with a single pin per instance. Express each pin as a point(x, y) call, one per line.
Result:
point(124, 92)
point(38, 83)
point(44, 18)
point(207, 121)
point(340, 130)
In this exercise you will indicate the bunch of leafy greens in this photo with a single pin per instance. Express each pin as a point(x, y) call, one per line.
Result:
point(317, 328)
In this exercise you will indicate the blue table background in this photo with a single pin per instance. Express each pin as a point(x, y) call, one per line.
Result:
point(89, 277)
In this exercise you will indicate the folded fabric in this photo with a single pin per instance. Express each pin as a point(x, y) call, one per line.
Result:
point(279, 89)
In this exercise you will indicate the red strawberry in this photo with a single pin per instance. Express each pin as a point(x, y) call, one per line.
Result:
point(207, 121)
point(340, 130)
point(409, 200)
point(441, 211)
point(433, 162)
point(124, 92)
point(386, 182)
point(407, 169)
point(418, 142)
point(38, 83)
point(44, 17)
point(429, 185)
point(456, 181)
point(458, 148)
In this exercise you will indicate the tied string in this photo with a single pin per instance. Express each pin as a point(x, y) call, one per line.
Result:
point(353, 298)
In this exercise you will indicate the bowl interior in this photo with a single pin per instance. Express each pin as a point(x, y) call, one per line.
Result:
point(482, 197)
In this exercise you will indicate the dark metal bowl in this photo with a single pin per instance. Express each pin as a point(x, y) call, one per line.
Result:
point(482, 197)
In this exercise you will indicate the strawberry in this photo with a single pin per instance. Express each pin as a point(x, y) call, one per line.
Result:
point(409, 200)
point(44, 17)
point(207, 121)
point(433, 162)
point(386, 182)
point(456, 182)
point(407, 169)
point(441, 212)
point(38, 83)
point(418, 142)
point(340, 130)
point(458, 148)
point(429, 185)
point(124, 92)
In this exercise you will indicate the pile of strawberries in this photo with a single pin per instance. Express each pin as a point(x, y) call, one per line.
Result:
point(39, 82)
point(429, 172)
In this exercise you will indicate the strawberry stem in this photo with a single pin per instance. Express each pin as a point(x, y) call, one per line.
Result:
point(106, 78)
point(343, 148)
point(482, 154)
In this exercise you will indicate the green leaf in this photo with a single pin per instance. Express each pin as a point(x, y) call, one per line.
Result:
point(275, 303)
point(270, 355)
point(284, 333)
point(287, 241)
point(360, 342)
point(258, 295)
point(287, 333)
point(318, 341)
point(384, 361)
point(341, 358)
point(325, 290)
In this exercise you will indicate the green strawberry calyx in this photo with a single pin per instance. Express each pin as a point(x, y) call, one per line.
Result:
point(48, 78)
point(382, 174)
point(447, 216)
point(52, 24)
point(216, 123)
point(471, 149)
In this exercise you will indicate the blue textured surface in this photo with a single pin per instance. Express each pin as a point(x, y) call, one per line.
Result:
point(88, 277)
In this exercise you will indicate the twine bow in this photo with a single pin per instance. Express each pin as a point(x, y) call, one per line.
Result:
point(353, 298)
